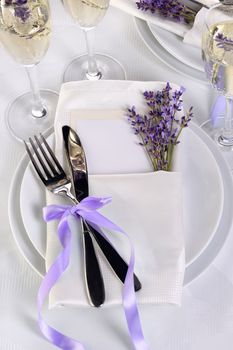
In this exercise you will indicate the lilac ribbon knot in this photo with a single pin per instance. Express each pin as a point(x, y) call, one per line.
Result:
point(87, 209)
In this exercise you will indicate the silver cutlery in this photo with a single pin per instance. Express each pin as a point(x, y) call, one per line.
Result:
point(79, 177)
point(78, 167)
point(56, 181)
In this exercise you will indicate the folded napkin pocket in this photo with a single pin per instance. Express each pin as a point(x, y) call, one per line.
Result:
point(148, 206)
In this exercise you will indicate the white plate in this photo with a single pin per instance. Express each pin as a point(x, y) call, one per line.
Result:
point(159, 51)
point(174, 44)
point(199, 244)
point(201, 183)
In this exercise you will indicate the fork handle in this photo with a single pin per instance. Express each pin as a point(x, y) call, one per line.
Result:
point(93, 275)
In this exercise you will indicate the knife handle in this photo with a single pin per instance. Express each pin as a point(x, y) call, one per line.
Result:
point(93, 275)
point(114, 259)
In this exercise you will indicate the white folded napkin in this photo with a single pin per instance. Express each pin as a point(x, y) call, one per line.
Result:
point(194, 35)
point(147, 205)
point(191, 34)
point(130, 7)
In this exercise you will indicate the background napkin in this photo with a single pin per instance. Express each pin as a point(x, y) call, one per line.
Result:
point(148, 206)
point(191, 34)
point(130, 7)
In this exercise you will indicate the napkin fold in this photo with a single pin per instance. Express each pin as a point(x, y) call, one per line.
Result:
point(147, 205)
point(194, 35)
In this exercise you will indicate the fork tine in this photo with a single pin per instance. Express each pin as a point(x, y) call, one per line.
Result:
point(52, 154)
point(42, 163)
point(46, 157)
point(35, 164)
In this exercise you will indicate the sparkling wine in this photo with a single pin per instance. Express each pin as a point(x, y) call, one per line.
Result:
point(88, 13)
point(217, 51)
point(25, 30)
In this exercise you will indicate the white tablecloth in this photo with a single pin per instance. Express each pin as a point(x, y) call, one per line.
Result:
point(205, 320)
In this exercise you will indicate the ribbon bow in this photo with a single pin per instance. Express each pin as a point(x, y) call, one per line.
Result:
point(87, 209)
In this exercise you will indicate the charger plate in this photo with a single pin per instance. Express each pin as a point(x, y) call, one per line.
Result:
point(196, 263)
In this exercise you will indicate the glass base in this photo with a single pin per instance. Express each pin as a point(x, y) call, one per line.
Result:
point(109, 68)
point(216, 133)
point(20, 120)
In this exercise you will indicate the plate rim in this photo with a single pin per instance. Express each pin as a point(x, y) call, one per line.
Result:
point(16, 222)
point(192, 271)
point(163, 55)
point(160, 41)
point(218, 240)
point(214, 226)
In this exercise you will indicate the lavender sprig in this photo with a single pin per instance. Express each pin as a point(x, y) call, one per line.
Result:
point(15, 2)
point(224, 42)
point(160, 128)
point(23, 13)
point(172, 9)
point(20, 10)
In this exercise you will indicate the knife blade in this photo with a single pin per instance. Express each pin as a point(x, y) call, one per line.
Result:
point(116, 262)
point(77, 164)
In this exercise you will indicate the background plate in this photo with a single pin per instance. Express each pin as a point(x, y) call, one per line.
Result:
point(174, 45)
point(159, 51)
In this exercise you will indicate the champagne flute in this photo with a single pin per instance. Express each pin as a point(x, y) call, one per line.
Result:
point(25, 34)
point(217, 53)
point(88, 13)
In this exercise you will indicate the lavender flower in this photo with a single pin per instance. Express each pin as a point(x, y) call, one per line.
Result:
point(20, 2)
point(224, 42)
point(15, 2)
point(23, 13)
point(20, 11)
point(172, 9)
point(159, 128)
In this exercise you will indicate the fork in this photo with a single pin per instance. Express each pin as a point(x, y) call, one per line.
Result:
point(56, 181)
point(59, 183)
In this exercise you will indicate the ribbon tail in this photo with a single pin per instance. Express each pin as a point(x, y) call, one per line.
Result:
point(128, 295)
point(130, 306)
point(60, 265)
point(55, 272)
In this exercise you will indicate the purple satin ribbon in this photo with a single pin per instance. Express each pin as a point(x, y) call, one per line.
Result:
point(87, 209)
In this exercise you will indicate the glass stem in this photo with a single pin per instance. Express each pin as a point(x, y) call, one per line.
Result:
point(226, 138)
point(93, 72)
point(228, 117)
point(38, 108)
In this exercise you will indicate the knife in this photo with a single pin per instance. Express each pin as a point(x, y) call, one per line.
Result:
point(73, 148)
point(77, 163)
